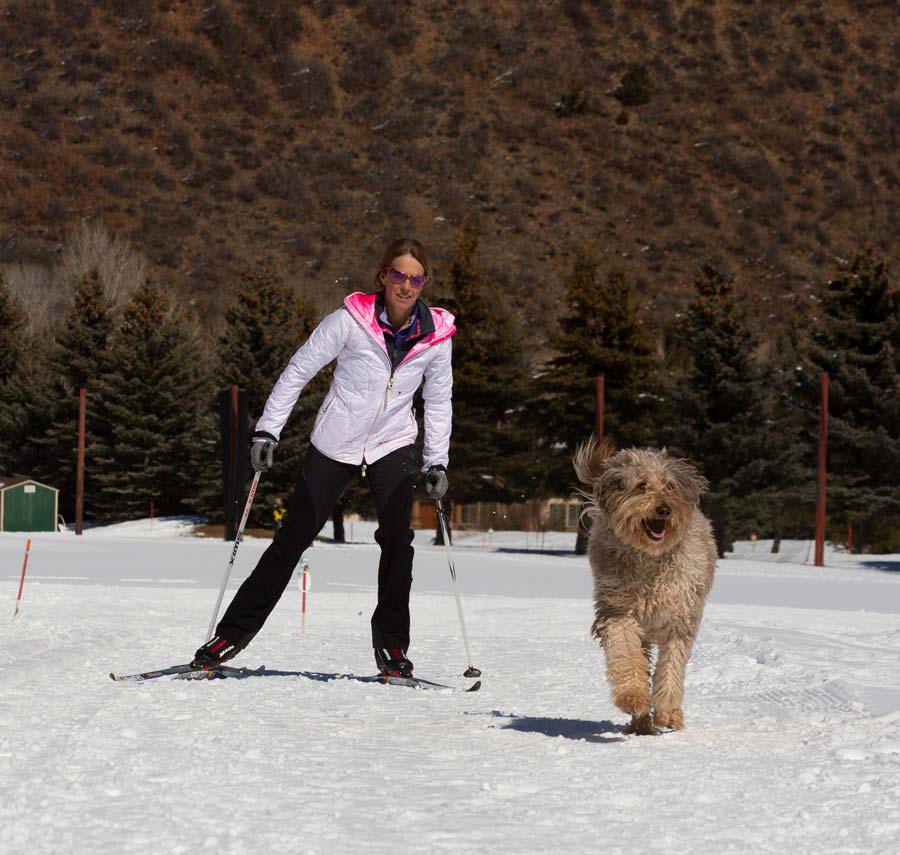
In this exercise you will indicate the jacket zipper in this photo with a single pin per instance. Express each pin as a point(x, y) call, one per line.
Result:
point(387, 398)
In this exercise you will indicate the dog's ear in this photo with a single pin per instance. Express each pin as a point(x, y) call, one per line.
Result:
point(590, 458)
point(689, 480)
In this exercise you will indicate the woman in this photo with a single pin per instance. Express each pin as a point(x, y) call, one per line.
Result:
point(385, 343)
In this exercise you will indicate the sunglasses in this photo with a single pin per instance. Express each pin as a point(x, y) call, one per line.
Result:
point(398, 277)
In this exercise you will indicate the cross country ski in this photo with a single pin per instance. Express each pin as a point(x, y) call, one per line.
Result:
point(190, 672)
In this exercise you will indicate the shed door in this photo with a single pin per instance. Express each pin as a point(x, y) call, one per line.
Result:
point(29, 507)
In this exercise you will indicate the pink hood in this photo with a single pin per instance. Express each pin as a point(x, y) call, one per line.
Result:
point(362, 307)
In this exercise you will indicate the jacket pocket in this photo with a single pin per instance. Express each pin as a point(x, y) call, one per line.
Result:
point(322, 410)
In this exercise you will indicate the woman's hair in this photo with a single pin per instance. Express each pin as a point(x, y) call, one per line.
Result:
point(403, 246)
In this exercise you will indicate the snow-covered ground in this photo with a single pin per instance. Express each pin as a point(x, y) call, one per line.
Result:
point(793, 708)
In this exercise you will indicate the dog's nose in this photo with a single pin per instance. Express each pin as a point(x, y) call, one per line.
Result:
point(662, 511)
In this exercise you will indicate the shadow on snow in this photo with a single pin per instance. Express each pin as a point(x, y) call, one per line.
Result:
point(886, 566)
point(568, 728)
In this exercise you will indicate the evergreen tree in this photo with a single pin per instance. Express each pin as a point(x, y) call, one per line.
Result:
point(265, 323)
point(76, 360)
point(12, 352)
point(490, 452)
point(856, 339)
point(600, 333)
point(782, 502)
point(719, 416)
point(12, 328)
point(147, 405)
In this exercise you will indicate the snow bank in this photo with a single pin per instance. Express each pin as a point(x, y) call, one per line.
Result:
point(792, 706)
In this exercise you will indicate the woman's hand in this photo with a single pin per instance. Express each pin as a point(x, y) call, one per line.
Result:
point(262, 452)
point(436, 482)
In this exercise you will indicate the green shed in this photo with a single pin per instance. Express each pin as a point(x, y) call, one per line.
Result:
point(27, 505)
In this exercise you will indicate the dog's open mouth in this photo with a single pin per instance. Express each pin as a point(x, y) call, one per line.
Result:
point(655, 528)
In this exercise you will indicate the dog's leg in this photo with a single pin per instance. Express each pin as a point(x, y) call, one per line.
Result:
point(668, 682)
point(628, 669)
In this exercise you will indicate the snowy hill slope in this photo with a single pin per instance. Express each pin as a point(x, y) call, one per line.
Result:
point(792, 708)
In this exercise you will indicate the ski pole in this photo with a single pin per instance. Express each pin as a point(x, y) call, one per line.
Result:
point(471, 671)
point(22, 580)
point(237, 543)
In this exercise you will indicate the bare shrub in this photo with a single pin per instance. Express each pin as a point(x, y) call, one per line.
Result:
point(37, 289)
point(143, 99)
point(637, 86)
point(278, 21)
point(281, 181)
point(367, 68)
point(307, 84)
point(122, 269)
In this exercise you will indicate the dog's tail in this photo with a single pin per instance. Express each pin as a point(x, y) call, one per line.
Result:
point(589, 459)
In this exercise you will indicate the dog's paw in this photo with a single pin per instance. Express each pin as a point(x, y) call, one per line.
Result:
point(641, 725)
point(632, 701)
point(673, 719)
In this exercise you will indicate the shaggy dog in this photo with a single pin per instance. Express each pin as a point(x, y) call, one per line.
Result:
point(652, 555)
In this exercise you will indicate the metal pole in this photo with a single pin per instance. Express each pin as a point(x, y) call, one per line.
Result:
point(820, 499)
point(237, 543)
point(79, 474)
point(471, 671)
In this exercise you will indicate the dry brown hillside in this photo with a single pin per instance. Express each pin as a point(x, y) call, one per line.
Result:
point(220, 133)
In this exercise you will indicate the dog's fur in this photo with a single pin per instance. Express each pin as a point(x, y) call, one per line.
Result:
point(652, 555)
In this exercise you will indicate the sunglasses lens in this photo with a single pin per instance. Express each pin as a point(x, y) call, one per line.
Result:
point(398, 278)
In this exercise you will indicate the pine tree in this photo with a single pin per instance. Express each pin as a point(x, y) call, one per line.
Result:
point(12, 327)
point(12, 353)
point(856, 339)
point(265, 323)
point(719, 416)
point(490, 451)
point(76, 359)
point(147, 403)
point(782, 502)
point(600, 333)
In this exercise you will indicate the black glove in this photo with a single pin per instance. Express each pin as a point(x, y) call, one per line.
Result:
point(436, 482)
point(262, 451)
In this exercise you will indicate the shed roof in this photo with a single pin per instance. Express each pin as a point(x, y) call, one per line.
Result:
point(6, 483)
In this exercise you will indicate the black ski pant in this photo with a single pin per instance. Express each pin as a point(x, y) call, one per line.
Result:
point(319, 487)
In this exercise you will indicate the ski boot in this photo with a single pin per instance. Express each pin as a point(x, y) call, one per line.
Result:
point(392, 662)
point(215, 652)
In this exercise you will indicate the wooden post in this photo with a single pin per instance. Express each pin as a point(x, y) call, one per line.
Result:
point(600, 394)
point(79, 476)
point(849, 538)
point(820, 499)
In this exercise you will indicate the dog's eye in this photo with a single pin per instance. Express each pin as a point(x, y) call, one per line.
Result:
point(669, 488)
point(642, 486)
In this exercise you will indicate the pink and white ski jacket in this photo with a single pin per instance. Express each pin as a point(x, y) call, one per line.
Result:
point(368, 412)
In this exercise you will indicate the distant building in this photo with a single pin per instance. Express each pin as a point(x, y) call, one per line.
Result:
point(27, 505)
point(537, 515)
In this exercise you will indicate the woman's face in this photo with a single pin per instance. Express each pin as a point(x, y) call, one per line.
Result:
point(403, 281)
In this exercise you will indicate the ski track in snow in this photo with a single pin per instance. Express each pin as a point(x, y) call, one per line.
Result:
point(792, 741)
